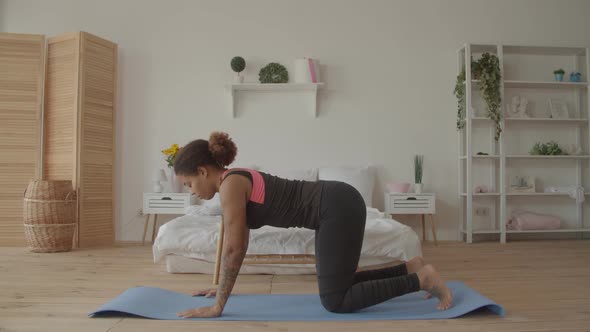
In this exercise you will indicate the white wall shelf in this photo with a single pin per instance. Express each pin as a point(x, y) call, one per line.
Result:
point(477, 156)
point(536, 120)
point(540, 194)
point(519, 72)
point(518, 194)
point(528, 50)
point(539, 84)
point(482, 194)
point(312, 88)
point(510, 231)
point(542, 85)
point(548, 120)
point(543, 50)
point(482, 231)
point(526, 156)
point(563, 230)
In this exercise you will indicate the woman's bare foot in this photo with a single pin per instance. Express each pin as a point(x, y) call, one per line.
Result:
point(415, 264)
point(431, 282)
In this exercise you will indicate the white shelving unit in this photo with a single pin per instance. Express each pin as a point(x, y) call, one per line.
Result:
point(539, 84)
point(498, 160)
point(312, 88)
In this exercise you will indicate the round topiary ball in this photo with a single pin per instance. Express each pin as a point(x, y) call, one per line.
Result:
point(273, 73)
point(238, 64)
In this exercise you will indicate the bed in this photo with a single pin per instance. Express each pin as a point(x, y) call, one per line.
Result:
point(188, 243)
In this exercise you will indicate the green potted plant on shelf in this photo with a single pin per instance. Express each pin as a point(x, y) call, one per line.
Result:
point(550, 148)
point(273, 73)
point(487, 71)
point(238, 64)
point(558, 73)
point(418, 172)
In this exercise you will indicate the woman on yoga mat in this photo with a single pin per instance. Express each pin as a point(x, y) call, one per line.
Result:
point(335, 210)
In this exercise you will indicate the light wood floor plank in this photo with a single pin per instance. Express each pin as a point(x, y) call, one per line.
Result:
point(543, 286)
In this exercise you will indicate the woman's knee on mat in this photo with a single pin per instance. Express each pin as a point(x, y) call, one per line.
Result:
point(335, 303)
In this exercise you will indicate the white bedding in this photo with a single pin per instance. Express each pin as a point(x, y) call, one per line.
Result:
point(195, 236)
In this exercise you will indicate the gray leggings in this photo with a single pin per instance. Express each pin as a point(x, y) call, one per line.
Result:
point(338, 244)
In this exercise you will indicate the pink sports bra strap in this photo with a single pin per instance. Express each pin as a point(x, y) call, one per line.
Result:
point(258, 188)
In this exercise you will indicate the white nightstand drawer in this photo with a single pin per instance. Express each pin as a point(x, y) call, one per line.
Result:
point(172, 203)
point(410, 203)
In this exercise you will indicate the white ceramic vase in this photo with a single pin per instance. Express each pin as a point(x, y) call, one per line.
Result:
point(174, 183)
point(418, 188)
point(157, 187)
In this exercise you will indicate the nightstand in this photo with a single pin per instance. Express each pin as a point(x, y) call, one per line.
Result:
point(423, 204)
point(162, 203)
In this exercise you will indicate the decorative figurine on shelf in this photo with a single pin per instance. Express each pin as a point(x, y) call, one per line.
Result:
point(481, 189)
point(575, 76)
point(522, 184)
point(573, 149)
point(518, 107)
point(558, 108)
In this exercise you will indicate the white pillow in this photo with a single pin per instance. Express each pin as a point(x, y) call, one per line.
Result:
point(373, 213)
point(362, 178)
point(305, 174)
point(250, 166)
point(210, 207)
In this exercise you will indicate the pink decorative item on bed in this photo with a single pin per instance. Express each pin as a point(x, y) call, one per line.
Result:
point(529, 221)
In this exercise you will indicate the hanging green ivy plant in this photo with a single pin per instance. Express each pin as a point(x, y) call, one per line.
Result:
point(489, 86)
point(460, 94)
point(487, 70)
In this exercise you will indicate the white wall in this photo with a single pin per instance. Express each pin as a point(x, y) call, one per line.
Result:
point(389, 68)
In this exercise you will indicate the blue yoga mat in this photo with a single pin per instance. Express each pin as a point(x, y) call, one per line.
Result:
point(158, 303)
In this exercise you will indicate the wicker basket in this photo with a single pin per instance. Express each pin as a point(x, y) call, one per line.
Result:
point(49, 215)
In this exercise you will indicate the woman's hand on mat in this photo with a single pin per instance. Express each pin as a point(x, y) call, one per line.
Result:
point(206, 292)
point(203, 312)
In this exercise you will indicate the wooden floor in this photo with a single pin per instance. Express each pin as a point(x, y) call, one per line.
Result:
point(544, 286)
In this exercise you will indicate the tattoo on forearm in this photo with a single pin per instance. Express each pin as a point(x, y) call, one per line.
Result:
point(230, 267)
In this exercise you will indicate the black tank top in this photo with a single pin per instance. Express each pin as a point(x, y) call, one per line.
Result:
point(287, 203)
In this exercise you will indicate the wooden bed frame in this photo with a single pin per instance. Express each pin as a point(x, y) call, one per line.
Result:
point(258, 259)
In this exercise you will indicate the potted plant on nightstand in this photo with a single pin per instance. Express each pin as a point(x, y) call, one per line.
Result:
point(170, 153)
point(418, 171)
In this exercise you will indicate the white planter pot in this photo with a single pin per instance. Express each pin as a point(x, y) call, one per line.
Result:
point(418, 188)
